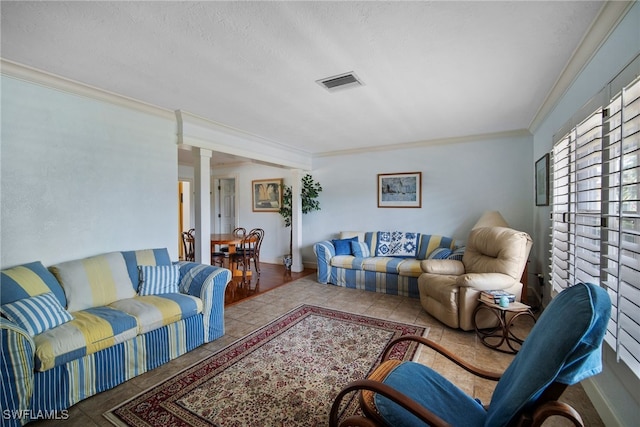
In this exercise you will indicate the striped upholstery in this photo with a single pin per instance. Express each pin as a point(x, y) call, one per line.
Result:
point(144, 257)
point(94, 281)
point(158, 279)
point(36, 314)
point(103, 347)
point(29, 280)
point(155, 311)
point(390, 275)
point(90, 331)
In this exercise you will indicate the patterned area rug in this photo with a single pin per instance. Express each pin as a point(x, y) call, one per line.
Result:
point(287, 373)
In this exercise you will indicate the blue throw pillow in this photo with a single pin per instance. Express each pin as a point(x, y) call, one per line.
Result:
point(360, 250)
point(343, 246)
point(457, 254)
point(159, 279)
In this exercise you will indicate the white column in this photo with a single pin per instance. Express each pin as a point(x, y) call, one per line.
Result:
point(296, 220)
point(202, 187)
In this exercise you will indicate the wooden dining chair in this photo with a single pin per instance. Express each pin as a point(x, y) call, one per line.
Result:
point(238, 232)
point(243, 255)
point(255, 250)
point(189, 245)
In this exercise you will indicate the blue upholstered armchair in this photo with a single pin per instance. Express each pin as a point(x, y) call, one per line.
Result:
point(562, 349)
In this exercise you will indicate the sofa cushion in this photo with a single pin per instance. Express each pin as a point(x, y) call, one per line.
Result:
point(144, 257)
point(36, 314)
point(155, 311)
point(158, 279)
point(29, 280)
point(343, 246)
point(95, 281)
point(410, 267)
point(440, 253)
point(382, 264)
point(347, 261)
point(360, 250)
point(90, 331)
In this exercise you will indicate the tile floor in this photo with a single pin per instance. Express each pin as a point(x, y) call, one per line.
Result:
point(250, 314)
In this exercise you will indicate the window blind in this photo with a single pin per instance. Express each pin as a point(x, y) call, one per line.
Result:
point(596, 214)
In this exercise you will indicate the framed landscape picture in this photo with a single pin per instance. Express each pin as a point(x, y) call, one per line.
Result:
point(400, 190)
point(542, 181)
point(266, 195)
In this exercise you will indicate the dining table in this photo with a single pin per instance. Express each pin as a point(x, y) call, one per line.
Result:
point(231, 240)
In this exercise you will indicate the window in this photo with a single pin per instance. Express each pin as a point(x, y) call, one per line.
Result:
point(596, 213)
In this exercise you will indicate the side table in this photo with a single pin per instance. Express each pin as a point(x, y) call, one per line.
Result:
point(496, 336)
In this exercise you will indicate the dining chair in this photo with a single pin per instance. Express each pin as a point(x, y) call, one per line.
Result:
point(238, 232)
point(241, 258)
point(256, 248)
point(189, 245)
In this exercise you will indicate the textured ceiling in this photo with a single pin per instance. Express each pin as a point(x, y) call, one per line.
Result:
point(431, 69)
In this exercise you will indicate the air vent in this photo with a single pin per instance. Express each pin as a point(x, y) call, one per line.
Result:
point(341, 81)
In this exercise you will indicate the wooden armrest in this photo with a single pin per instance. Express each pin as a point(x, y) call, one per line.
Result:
point(488, 375)
point(555, 408)
point(377, 387)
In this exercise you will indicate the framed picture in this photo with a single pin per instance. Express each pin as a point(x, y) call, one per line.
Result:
point(400, 190)
point(542, 181)
point(266, 195)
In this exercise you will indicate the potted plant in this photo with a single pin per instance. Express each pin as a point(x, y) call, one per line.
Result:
point(309, 195)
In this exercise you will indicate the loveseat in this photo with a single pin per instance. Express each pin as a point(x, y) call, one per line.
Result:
point(84, 326)
point(380, 261)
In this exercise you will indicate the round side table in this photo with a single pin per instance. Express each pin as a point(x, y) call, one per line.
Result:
point(502, 333)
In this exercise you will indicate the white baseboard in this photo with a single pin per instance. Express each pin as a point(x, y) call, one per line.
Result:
point(600, 403)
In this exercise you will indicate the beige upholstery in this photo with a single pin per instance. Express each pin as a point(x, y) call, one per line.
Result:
point(494, 258)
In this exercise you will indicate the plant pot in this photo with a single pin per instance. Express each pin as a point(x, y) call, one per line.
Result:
point(287, 260)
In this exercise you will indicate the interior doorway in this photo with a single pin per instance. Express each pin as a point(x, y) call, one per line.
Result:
point(224, 205)
point(186, 217)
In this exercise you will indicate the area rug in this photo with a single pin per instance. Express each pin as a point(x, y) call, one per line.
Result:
point(286, 373)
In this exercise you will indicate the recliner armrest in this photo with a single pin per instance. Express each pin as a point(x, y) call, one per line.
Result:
point(485, 281)
point(442, 266)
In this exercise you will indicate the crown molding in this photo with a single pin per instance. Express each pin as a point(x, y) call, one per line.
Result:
point(519, 133)
point(608, 18)
point(199, 132)
point(32, 75)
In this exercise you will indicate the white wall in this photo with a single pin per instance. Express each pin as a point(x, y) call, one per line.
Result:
point(616, 388)
point(459, 182)
point(81, 177)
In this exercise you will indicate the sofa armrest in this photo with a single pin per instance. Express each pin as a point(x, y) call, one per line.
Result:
point(208, 283)
point(450, 267)
point(324, 252)
point(485, 281)
point(16, 365)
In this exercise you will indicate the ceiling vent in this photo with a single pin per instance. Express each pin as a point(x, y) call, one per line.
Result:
point(341, 81)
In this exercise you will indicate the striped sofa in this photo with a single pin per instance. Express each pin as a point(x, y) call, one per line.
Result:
point(81, 327)
point(380, 261)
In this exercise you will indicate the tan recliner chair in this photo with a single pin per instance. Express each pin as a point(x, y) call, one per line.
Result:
point(494, 258)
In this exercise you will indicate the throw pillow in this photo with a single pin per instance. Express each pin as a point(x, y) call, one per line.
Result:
point(360, 250)
point(29, 280)
point(133, 259)
point(36, 314)
point(457, 254)
point(159, 279)
point(343, 246)
point(440, 253)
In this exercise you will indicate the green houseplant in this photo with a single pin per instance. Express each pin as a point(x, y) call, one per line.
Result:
point(309, 195)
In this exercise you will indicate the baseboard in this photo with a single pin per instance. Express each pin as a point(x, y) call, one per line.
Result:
point(600, 403)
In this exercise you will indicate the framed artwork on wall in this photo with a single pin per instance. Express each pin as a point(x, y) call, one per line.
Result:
point(400, 190)
point(266, 195)
point(542, 181)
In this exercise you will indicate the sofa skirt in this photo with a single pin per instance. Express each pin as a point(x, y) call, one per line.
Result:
point(65, 385)
point(386, 283)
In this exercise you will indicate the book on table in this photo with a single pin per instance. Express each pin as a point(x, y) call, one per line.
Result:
point(493, 297)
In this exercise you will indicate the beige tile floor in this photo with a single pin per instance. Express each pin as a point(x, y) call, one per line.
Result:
point(248, 315)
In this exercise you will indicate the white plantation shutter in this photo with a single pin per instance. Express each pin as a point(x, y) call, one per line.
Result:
point(596, 214)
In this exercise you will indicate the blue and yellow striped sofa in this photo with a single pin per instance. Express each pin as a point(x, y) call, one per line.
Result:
point(84, 326)
point(380, 261)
